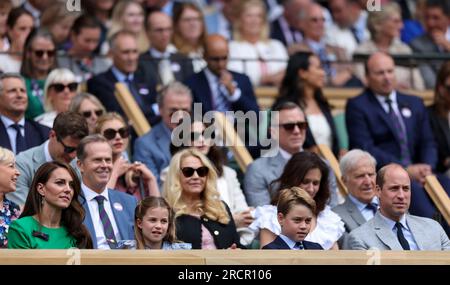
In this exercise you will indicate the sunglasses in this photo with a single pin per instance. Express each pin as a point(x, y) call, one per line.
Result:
point(218, 58)
point(189, 171)
point(59, 87)
point(41, 52)
point(290, 126)
point(88, 114)
point(110, 134)
point(67, 149)
point(196, 135)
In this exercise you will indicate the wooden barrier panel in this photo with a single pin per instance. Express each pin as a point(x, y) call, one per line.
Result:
point(238, 148)
point(326, 152)
point(337, 97)
point(221, 257)
point(131, 109)
point(438, 195)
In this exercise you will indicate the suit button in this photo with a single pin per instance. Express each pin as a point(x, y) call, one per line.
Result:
point(216, 233)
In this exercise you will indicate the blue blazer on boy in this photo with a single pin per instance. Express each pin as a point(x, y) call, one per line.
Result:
point(279, 243)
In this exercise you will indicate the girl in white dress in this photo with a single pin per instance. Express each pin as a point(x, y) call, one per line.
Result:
point(307, 171)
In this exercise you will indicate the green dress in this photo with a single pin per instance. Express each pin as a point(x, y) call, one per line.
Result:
point(20, 235)
point(35, 91)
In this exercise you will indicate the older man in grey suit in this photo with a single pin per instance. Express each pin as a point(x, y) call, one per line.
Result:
point(393, 228)
point(68, 129)
point(358, 169)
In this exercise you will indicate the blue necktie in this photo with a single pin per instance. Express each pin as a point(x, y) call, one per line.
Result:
point(405, 157)
point(106, 222)
point(401, 238)
point(221, 102)
point(20, 140)
point(372, 207)
point(355, 34)
point(299, 245)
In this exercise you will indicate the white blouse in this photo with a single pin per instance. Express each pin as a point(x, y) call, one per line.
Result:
point(320, 129)
point(329, 226)
point(264, 57)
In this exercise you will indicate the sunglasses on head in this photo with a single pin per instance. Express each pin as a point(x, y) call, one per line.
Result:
point(189, 171)
point(59, 87)
point(41, 52)
point(67, 149)
point(290, 126)
point(109, 134)
point(88, 114)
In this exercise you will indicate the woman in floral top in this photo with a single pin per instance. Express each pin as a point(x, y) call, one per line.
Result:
point(9, 211)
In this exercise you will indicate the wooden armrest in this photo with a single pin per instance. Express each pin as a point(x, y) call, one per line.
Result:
point(438, 195)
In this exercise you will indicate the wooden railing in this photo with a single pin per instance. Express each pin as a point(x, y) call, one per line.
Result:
point(221, 257)
point(337, 97)
point(438, 196)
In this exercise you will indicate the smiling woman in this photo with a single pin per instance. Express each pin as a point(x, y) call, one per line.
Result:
point(52, 217)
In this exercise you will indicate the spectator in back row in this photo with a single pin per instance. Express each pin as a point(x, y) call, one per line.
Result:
point(89, 106)
point(393, 228)
point(68, 129)
point(5, 8)
point(16, 132)
point(124, 50)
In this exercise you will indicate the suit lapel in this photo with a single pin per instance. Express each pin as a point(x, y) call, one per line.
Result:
point(161, 141)
point(385, 234)
point(206, 92)
point(382, 113)
point(418, 232)
point(408, 122)
point(118, 216)
point(354, 212)
point(88, 219)
point(4, 138)
point(281, 243)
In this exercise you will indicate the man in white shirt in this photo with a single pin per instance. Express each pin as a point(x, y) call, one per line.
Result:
point(109, 213)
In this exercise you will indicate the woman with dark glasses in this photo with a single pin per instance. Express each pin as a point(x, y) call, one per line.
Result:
point(302, 84)
point(59, 90)
point(38, 60)
point(132, 178)
point(202, 219)
point(89, 106)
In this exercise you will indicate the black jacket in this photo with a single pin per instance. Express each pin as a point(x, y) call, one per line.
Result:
point(279, 243)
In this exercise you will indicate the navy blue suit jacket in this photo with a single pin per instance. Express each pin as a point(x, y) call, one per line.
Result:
point(124, 218)
point(369, 128)
point(35, 134)
point(279, 243)
point(198, 83)
point(103, 86)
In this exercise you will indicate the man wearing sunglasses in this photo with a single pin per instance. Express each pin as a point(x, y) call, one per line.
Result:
point(290, 132)
point(153, 147)
point(68, 130)
point(17, 133)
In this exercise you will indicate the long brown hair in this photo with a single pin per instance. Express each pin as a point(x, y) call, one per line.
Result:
point(72, 217)
point(139, 213)
point(441, 99)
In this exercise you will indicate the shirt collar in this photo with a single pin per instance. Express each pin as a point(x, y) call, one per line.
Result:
point(286, 155)
point(288, 241)
point(391, 223)
point(170, 49)
point(360, 205)
point(8, 122)
point(315, 46)
point(90, 194)
point(382, 99)
point(210, 75)
point(121, 77)
point(47, 155)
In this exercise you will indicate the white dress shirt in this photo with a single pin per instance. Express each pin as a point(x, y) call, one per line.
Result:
point(406, 231)
point(95, 216)
point(12, 133)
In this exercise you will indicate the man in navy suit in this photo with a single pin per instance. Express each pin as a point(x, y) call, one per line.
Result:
point(16, 132)
point(217, 88)
point(394, 128)
point(286, 27)
point(109, 213)
point(125, 69)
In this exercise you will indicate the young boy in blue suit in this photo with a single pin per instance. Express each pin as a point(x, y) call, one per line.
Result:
point(295, 212)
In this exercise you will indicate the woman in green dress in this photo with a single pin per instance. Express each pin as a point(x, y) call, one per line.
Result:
point(52, 217)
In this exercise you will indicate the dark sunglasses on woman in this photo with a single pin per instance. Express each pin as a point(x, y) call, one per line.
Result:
point(88, 114)
point(189, 171)
point(59, 87)
point(40, 52)
point(110, 134)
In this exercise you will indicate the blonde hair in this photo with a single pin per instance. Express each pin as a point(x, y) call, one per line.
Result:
point(377, 18)
point(118, 25)
point(57, 75)
point(106, 118)
point(6, 156)
point(290, 197)
point(241, 8)
point(210, 204)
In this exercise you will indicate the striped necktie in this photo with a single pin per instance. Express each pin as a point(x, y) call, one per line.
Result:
point(107, 226)
point(405, 157)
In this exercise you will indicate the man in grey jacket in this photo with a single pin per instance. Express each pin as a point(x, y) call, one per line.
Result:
point(68, 130)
